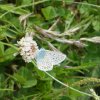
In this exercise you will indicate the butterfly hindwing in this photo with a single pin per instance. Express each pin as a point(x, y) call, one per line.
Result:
point(43, 61)
point(45, 64)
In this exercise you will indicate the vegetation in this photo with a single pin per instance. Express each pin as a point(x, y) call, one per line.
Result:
point(70, 26)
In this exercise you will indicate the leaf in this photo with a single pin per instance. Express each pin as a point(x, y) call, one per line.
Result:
point(60, 11)
point(10, 51)
point(2, 78)
point(49, 12)
point(2, 85)
point(24, 76)
point(1, 49)
point(24, 72)
point(96, 24)
point(96, 72)
point(3, 30)
point(65, 98)
point(7, 7)
point(44, 85)
point(69, 1)
point(21, 11)
point(85, 10)
point(40, 73)
point(30, 83)
point(19, 78)
point(13, 9)
point(26, 2)
point(1, 52)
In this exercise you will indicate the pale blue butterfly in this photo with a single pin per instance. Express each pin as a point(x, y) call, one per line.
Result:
point(45, 59)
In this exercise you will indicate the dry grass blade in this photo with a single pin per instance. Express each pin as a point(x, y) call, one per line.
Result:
point(93, 39)
point(46, 33)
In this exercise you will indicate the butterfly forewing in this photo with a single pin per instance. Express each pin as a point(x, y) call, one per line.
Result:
point(55, 56)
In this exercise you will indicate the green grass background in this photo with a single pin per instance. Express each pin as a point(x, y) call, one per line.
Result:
point(66, 23)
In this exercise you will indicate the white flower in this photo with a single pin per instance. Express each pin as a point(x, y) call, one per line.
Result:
point(28, 48)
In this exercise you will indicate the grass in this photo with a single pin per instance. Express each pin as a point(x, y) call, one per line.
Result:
point(68, 26)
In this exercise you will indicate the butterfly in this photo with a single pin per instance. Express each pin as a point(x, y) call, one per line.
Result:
point(46, 59)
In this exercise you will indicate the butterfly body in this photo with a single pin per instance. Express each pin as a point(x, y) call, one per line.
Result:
point(46, 59)
point(40, 54)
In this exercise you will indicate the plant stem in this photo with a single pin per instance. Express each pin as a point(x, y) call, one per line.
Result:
point(67, 85)
point(10, 45)
point(64, 83)
point(6, 90)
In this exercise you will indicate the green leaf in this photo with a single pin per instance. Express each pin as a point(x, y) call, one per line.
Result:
point(26, 2)
point(24, 76)
point(3, 30)
point(19, 78)
point(44, 85)
point(96, 72)
point(49, 12)
point(1, 52)
point(65, 98)
point(24, 72)
point(13, 9)
point(21, 11)
point(40, 73)
point(1, 49)
point(7, 7)
point(9, 54)
point(2, 85)
point(30, 83)
point(69, 1)
point(2, 78)
point(60, 11)
point(96, 23)
point(85, 10)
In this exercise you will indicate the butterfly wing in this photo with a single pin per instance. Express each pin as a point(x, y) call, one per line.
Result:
point(45, 64)
point(46, 59)
point(43, 61)
point(55, 56)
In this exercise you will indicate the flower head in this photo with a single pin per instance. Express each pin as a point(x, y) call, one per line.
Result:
point(28, 48)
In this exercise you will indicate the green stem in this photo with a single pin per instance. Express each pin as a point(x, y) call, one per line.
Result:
point(64, 83)
point(88, 4)
point(6, 90)
point(67, 85)
point(10, 45)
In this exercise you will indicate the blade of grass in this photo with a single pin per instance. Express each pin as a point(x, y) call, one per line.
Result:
point(23, 6)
